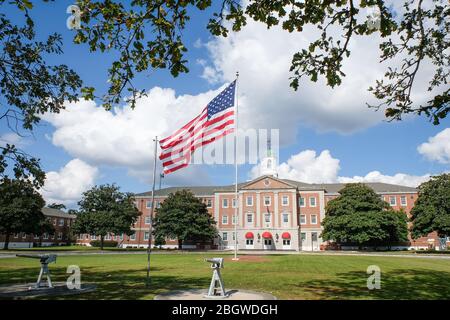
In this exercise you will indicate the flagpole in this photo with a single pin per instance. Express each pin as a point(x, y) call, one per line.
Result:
point(149, 249)
point(236, 172)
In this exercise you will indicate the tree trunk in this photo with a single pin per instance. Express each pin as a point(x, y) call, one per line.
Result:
point(101, 242)
point(5, 247)
point(180, 244)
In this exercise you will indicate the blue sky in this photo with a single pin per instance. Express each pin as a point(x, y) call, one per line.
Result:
point(358, 138)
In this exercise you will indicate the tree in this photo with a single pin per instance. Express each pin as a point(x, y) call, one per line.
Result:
point(58, 206)
point(359, 216)
point(182, 216)
point(20, 209)
point(104, 209)
point(431, 210)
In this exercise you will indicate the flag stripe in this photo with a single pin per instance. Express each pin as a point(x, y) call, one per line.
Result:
point(214, 122)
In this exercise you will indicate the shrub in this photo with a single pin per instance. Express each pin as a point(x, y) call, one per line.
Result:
point(106, 244)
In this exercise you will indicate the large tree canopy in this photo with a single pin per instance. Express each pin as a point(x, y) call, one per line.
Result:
point(359, 216)
point(20, 209)
point(431, 210)
point(182, 216)
point(104, 209)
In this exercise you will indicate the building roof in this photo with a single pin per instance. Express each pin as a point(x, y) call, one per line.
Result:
point(50, 212)
point(329, 188)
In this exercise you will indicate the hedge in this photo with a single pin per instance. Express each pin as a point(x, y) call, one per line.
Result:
point(106, 243)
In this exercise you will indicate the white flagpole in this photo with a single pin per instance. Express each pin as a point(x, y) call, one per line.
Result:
point(149, 249)
point(236, 171)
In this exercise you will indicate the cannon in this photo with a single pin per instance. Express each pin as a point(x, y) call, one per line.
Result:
point(216, 288)
point(45, 259)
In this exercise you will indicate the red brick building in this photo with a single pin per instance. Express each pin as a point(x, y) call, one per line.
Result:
point(60, 220)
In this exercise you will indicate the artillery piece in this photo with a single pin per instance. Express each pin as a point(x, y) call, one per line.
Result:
point(45, 259)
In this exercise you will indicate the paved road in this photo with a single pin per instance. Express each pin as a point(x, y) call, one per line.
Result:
point(12, 254)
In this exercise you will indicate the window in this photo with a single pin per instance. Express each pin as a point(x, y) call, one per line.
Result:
point(225, 236)
point(234, 236)
point(249, 242)
point(313, 219)
point(121, 236)
point(148, 220)
point(36, 236)
point(267, 201)
point(313, 236)
point(45, 236)
point(267, 217)
point(302, 219)
point(148, 204)
point(224, 219)
point(286, 242)
point(249, 201)
point(59, 235)
point(301, 202)
point(285, 217)
point(233, 203)
point(87, 237)
point(234, 219)
point(24, 236)
point(108, 237)
point(93, 237)
point(146, 235)
point(157, 204)
point(392, 201)
point(224, 203)
point(61, 222)
point(403, 201)
point(16, 235)
point(312, 201)
point(208, 203)
point(285, 201)
point(54, 222)
point(249, 218)
point(133, 236)
point(303, 236)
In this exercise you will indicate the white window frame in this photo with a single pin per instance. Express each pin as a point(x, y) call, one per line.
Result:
point(315, 218)
point(146, 235)
point(286, 242)
point(270, 201)
point(45, 236)
point(209, 203)
point(404, 204)
point(225, 236)
point(265, 217)
point(234, 203)
point(300, 219)
point(285, 214)
point(248, 242)
point(93, 237)
point(108, 237)
point(225, 200)
point(133, 236)
point(16, 235)
point(300, 202)
point(59, 235)
point(147, 202)
point(249, 215)
point(233, 219)
point(61, 222)
point(147, 220)
point(395, 201)
point(287, 201)
point(315, 202)
point(249, 203)
point(225, 219)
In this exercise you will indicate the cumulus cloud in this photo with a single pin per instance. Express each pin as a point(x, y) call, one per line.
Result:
point(124, 137)
point(66, 185)
point(399, 179)
point(13, 139)
point(307, 166)
point(263, 58)
point(437, 148)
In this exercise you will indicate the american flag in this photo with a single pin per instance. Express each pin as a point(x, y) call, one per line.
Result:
point(214, 122)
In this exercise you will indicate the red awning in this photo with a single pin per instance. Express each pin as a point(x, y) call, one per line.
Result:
point(249, 235)
point(267, 235)
point(286, 235)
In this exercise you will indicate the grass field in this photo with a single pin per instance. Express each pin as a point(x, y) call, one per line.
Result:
point(122, 276)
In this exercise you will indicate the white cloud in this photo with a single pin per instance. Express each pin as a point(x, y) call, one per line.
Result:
point(124, 138)
point(263, 58)
point(307, 166)
point(399, 179)
point(66, 185)
point(13, 139)
point(437, 148)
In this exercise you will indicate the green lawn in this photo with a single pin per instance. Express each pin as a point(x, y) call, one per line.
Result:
point(122, 276)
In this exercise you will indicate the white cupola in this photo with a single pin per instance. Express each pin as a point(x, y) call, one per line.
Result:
point(268, 165)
